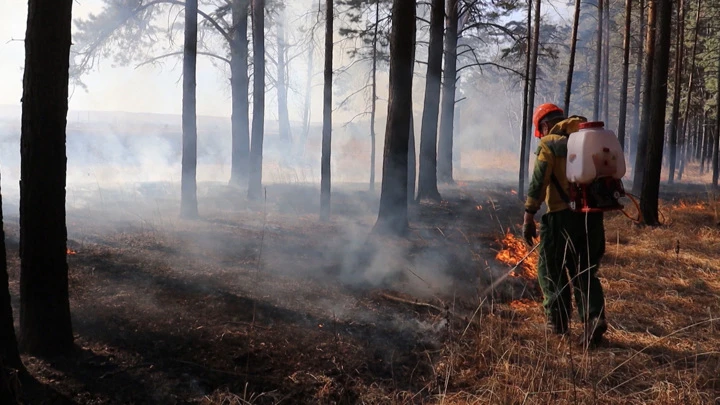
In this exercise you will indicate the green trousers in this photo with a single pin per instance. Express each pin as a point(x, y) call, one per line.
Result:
point(571, 246)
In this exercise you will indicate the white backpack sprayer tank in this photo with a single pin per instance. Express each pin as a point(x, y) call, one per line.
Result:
point(595, 167)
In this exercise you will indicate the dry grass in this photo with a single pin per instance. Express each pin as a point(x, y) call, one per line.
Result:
point(663, 345)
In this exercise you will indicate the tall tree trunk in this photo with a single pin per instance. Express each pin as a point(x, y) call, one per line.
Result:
point(239, 83)
point(606, 64)
point(691, 74)
point(683, 151)
point(9, 355)
point(622, 116)
point(526, 114)
point(651, 174)
point(373, 103)
point(412, 160)
point(45, 324)
point(679, 54)
point(445, 144)
point(533, 75)
point(704, 134)
point(643, 136)
point(427, 186)
point(308, 85)
point(282, 82)
point(632, 145)
point(258, 121)
point(188, 180)
point(598, 62)
point(393, 211)
point(716, 159)
point(327, 115)
point(571, 64)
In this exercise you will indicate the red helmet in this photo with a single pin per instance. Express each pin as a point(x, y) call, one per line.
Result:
point(540, 112)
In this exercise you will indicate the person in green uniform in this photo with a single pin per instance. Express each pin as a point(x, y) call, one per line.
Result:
point(571, 243)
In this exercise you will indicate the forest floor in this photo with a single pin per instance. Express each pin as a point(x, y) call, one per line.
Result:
point(262, 303)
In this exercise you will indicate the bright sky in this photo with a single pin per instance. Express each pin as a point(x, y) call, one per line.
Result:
point(146, 89)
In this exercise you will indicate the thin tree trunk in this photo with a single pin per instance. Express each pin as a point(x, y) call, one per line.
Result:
point(282, 82)
point(526, 114)
point(691, 83)
point(632, 145)
point(45, 323)
point(716, 159)
point(258, 121)
point(240, 118)
point(651, 174)
point(188, 197)
point(622, 116)
point(412, 160)
point(683, 151)
point(643, 135)
point(571, 64)
point(373, 105)
point(533, 74)
point(9, 355)
point(427, 187)
point(598, 62)
point(606, 64)
point(327, 115)
point(679, 54)
point(393, 212)
point(445, 144)
point(704, 141)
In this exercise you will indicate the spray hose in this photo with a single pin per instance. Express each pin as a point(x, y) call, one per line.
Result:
point(639, 218)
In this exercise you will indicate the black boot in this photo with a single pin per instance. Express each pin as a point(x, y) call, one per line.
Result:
point(557, 323)
point(593, 333)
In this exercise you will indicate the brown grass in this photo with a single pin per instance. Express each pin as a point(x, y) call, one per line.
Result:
point(663, 345)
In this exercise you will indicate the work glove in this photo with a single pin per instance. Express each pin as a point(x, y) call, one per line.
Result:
point(529, 233)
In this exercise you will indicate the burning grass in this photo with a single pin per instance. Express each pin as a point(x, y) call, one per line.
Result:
point(663, 306)
point(514, 250)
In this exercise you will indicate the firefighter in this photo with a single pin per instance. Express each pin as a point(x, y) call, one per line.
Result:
point(571, 243)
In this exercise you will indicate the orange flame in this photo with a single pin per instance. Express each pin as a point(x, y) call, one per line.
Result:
point(514, 249)
point(70, 251)
point(686, 205)
point(478, 207)
point(513, 192)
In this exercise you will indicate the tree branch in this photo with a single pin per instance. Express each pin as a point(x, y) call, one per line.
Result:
point(156, 58)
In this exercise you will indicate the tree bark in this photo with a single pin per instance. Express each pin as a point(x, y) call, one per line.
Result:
point(258, 121)
point(598, 62)
point(571, 64)
point(188, 197)
point(691, 75)
point(393, 211)
point(679, 54)
point(373, 105)
point(651, 174)
point(715, 158)
point(526, 114)
point(643, 135)
point(445, 143)
point(239, 83)
point(622, 116)
point(327, 115)
point(427, 186)
point(45, 324)
point(632, 144)
point(282, 82)
point(606, 64)
point(9, 354)
point(533, 77)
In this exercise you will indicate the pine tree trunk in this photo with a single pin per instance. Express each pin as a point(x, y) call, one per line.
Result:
point(373, 105)
point(691, 82)
point(632, 144)
point(308, 86)
point(445, 144)
point(643, 136)
point(327, 115)
point(9, 355)
point(533, 74)
point(526, 114)
point(704, 141)
point(571, 64)
point(412, 163)
point(598, 62)
point(651, 175)
point(240, 119)
point(622, 116)
point(188, 180)
point(427, 186)
point(282, 83)
point(679, 55)
point(45, 324)
point(606, 64)
point(716, 158)
point(258, 121)
point(393, 211)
